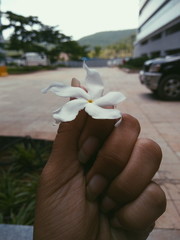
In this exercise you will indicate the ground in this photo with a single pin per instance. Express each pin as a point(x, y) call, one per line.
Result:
point(27, 112)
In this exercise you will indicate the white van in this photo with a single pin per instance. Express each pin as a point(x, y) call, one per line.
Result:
point(33, 59)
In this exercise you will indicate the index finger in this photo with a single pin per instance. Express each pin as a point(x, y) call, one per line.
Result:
point(117, 149)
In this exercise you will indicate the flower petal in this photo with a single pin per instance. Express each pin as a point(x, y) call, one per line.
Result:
point(93, 82)
point(110, 99)
point(69, 111)
point(63, 90)
point(57, 110)
point(102, 113)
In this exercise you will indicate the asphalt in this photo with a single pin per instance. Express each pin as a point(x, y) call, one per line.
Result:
point(24, 111)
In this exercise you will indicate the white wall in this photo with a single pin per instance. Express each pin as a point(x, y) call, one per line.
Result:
point(150, 8)
point(167, 14)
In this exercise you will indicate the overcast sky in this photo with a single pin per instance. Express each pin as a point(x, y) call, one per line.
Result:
point(79, 18)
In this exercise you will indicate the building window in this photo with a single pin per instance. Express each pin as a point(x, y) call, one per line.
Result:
point(156, 37)
point(172, 52)
point(173, 29)
point(155, 54)
point(144, 55)
point(144, 42)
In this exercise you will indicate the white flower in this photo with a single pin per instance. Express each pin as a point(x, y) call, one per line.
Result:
point(91, 101)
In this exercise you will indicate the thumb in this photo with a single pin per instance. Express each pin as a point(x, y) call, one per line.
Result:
point(66, 143)
point(64, 153)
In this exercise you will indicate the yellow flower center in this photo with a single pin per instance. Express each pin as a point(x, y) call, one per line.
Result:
point(90, 101)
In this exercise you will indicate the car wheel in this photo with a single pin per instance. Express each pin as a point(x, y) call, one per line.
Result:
point(169, 88)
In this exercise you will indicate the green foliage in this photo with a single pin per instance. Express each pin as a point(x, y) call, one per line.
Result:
point(24, 31)
point(136, 63)
point(20, 166)
point(15, 18)
point(96, 52)
point(2, 57)
point(28, 69)
point(26, 159)
point(104, 39)
point(31, 35)
point(121, 49)
point(17, 198)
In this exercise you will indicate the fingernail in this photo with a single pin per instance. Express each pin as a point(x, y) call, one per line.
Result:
point(75, 82)
point(108, 204)
point(96, 186)
point(89, 147)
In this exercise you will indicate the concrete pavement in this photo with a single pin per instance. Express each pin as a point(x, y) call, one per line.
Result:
point(25, 111)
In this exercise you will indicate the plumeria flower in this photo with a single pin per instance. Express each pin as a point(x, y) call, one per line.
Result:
point(92, 101)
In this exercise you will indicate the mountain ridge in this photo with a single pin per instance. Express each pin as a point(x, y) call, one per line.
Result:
point(106, 38)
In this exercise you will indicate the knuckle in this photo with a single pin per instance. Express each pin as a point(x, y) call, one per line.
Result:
point(155, 192)
point(132, 122)
point(109, 165)
point(151, 148)
point(112, 159)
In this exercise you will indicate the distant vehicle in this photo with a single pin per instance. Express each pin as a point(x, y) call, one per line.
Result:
point(115, 62)
point(32, 59)
point(162, 76)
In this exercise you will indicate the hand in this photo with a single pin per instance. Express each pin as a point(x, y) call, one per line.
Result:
point(97, 183)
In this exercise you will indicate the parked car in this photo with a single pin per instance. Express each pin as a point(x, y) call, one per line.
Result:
point(32, 59)
point(162, 76)
point(115, 62)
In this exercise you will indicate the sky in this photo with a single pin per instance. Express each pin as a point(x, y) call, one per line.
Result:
point(79, 18)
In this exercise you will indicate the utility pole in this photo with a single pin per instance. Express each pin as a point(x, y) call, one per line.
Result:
point(3, 69)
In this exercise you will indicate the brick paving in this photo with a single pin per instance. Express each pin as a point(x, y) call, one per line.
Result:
point(27, 112)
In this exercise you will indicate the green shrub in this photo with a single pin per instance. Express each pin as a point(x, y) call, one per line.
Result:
point(21, 162)
point(28, 69)
point(27, 159)
point(135, 63)
point(17, 198)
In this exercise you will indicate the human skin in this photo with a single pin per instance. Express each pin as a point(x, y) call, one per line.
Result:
point(97, 183)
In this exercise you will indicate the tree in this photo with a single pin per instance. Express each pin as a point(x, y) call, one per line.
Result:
point(23, 30)
point(74, 50)
point(29, 34)
point(121, 49)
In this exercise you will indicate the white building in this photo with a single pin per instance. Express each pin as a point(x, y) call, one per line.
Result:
point(159, 28)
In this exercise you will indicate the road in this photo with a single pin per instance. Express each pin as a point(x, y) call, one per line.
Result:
point(27, 112)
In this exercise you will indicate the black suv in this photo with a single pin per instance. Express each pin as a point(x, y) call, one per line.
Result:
point(162, 76)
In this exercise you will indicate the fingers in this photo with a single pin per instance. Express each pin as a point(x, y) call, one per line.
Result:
point(63, 158)
point(93, 136)
point(97, 128)
point(123, 170)
point(63, 164)
point(117, 149)
point(79, 121)
point(143, 211)
point(88, 149)
point(141, 167)
point(115, 153)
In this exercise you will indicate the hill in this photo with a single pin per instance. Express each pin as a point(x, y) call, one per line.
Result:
point(104, 39)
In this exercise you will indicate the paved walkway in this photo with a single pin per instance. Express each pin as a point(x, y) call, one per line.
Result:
point(25, 111)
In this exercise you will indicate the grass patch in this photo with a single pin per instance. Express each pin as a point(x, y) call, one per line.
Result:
point(28, 69)
point(21, 162)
